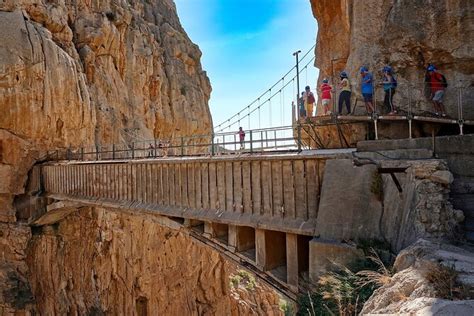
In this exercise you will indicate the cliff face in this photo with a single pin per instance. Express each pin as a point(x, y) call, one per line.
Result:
point(102, 261)
point(404, 34)
point(76, 73)
point(87, 72)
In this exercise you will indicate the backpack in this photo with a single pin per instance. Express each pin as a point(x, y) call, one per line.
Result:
point(394, 82)
point(311, 98)
point(444, 82)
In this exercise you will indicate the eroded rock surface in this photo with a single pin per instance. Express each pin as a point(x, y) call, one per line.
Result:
point(117, 263)
point(80, 73)
point(99, 72)
point(417, 285)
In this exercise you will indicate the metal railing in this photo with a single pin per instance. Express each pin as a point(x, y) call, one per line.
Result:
point(411, 103)
point(410, 98)
point(256, 141)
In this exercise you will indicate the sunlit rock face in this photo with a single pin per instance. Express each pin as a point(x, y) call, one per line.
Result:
point(85, 72)
point(404, 34)
point(78, 73)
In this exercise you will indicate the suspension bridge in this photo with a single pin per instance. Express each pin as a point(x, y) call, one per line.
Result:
point(272, 124)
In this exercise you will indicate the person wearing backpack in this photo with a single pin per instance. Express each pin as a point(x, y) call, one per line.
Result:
point(309, 101)
point(389, 87)
point(438, 84)
point(367, 89)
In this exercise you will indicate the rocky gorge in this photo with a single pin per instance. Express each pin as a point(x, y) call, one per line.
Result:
point(81, 73)
point(86, 72)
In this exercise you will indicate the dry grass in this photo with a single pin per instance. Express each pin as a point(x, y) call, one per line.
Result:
point(382, 276)
point(445, 282)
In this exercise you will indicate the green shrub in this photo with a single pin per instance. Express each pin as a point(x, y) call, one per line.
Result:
point(244, 279)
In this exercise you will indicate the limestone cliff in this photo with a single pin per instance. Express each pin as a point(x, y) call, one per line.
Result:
point(404, 34)
point(94, 72)
point(102, 261)
point(82, 72)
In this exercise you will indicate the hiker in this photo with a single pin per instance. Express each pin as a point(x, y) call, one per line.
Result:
point(326, 95)
point(151, 150)
point(309, 101)
point(301, 106)
point(345, 95)
point(389, 85)
point(438, 84)
point(241, 138)
point(367, 89)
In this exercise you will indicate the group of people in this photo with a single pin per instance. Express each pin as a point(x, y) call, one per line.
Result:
point(435, 81)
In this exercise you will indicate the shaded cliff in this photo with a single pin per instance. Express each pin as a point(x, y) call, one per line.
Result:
point(405, 34)
point(102, 261)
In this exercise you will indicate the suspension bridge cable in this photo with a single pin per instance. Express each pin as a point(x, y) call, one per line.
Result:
point(281, 107)
point(269, 90)
point(270, 108)
point(266, 101)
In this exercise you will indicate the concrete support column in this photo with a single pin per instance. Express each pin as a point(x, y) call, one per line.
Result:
point(216, 230)
point(191, 222)
point(208, 230)
point(241, 238)
point(292, 260)
point(260, 249)
point(270, 249)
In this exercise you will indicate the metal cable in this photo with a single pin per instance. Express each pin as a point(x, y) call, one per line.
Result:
point(263, 94)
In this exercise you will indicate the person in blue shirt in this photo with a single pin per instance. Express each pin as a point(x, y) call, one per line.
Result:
point(389, 87)
point(367, 89)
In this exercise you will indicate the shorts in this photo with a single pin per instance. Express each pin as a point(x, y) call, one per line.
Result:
point(367, 97)
point(326, 102)
point(438, 96)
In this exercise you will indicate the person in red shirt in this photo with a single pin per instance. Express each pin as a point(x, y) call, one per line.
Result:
point(326, 95)
point(241, 138)
point(437, 84)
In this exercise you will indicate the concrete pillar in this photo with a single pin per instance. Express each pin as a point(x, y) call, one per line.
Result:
point(208, 230)
point(260, 248)
point(241, 238)
point(216, 230)
point(192, 222)
point(292, 260)
point(270, 249)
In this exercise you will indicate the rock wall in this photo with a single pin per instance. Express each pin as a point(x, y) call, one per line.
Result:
point(102, 261)
point(431, 278)
point(94, 72)
point(78, 73)
point(405, 34)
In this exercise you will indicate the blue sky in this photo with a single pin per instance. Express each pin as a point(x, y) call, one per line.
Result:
point(247, 46)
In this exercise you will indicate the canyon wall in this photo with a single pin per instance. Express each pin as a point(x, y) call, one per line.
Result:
point(404, 34)
point(87, 72)
point(108, 262)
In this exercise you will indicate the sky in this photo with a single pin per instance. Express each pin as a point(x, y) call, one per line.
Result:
point(247, 47)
